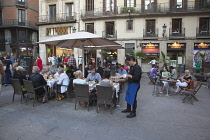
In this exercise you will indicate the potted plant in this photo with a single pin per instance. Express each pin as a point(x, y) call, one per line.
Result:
point(126, 9)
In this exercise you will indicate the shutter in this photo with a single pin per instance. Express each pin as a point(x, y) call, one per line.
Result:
point(134, 3)
point(104, 5)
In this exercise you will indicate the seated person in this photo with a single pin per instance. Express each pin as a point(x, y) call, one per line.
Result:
point(70, 71)
point(154, 73)
point(122, 71)
point(100, 71)
point(173, 72)
point(46, 72)
point(107, 82)
point(93, 76)
point(165, 83)
point(38, 81)
point(62, 80)
point(19, 75)
point(78, 75)
point(184, 81)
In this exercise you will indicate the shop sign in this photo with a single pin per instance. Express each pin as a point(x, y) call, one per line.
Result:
point(176, 46)
point(201, 45)
point(150, 48)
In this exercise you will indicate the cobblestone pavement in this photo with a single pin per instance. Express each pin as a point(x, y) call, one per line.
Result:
point(158, 118)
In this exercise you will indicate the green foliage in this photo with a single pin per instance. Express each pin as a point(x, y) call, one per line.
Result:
point(163, 59)
point(125, 9)
point(137, 55)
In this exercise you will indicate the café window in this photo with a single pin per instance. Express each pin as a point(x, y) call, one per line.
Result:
point(150, 26)
point(109, 5)
point(52, 11)
point(89, 27)
point(129, 24)
point(204, 24)
point(177, 25)
point(110, 29)
point(89, 5)
point(149, 4)
point(130, 3)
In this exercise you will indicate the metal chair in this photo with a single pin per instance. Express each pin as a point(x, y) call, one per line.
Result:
point(190, 93)
point(31, 90)
point(105, 96)
point(17, 89)
point(82, 93)
point(152, 80)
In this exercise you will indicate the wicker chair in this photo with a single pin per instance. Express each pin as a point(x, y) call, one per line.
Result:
point(105, 96)
point(17, 89)
point(82, 93)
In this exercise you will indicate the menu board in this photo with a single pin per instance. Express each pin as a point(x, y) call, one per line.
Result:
point(26, 62)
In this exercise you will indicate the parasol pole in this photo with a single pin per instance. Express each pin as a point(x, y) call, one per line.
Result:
point(83, 59)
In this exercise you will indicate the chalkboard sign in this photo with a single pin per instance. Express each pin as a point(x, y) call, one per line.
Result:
point(27, 63)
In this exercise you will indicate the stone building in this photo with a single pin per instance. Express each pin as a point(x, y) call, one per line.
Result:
point(179, 28)
point(18, 30)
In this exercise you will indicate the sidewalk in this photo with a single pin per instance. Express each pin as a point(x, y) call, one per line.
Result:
point(158, 118)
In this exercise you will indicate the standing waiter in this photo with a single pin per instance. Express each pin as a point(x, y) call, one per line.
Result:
point(134, 78)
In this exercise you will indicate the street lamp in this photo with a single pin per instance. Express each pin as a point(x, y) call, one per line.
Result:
point(74, 30)
point(129, 12)
point(164, 29)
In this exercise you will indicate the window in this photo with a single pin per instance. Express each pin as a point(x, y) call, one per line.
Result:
point(129, 47)
point(89, 5)
point(204, 25)
point(110, 29)
point(130, 3)
point(129, 24)
point(21, 16)
point(150, 27)
point(21, 2)
point(178, 3)
point(204, 3)
point(58, 31)
point(89, 27)
point(177, 25)
point(52, 16)
point(109, 5)
point(149, 4)
point(22, 36)
point(69, 10)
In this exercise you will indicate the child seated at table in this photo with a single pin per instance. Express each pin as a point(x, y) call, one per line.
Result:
point(107, 82)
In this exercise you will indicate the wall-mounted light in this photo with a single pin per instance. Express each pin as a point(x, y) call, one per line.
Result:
point(74, 30)
point(203, 45)
point(150, 45)
point(129, 12)
point(176, 45)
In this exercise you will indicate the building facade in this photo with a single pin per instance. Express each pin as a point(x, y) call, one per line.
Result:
point(18, 30)
point(175, 27)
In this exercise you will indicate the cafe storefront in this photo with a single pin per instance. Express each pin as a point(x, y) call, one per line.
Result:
point(151, 50)
point(176, 52)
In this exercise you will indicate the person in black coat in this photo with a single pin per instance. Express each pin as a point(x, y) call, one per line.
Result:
point(38, 81)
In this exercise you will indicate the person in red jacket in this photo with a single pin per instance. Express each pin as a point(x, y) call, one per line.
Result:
point(39, 62)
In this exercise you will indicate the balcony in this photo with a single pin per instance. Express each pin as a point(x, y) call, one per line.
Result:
point(109, 35)
point(158, 8)
point(15, 22)
point(177, 34)
point(21, 3)
point(59, 18)
point(202, 33)
point(150, 34)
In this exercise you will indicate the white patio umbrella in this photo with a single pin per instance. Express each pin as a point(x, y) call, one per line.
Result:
point(82, 40)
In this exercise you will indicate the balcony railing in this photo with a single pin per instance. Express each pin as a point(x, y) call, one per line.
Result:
point(21, 3)
point(202, 33)
point(190, 6)
point(150, 34)
point(177, 33)
point(62, 17)
point(109, 35)
point(16, 22)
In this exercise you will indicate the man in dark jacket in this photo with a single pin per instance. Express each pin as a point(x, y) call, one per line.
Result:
point(38, 81)
point(134, 78)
